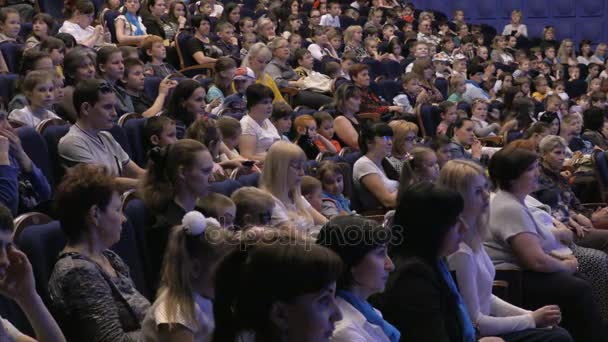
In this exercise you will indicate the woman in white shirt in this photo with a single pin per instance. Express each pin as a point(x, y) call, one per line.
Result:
point(258, 133)
point(366, 269)
point(376, 143)
point(283, 171)
point(515, 28)
point(475, 271)
point(79, 25)
point(129, 26)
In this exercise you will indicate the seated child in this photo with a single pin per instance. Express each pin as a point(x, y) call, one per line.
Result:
point(479, 114)
point(219, 207)
point(39, 89)
point(412, 94)
point(448, 116)
point(154, 53)
point(56, 49)
point(457, 88)
point(231, 131)
point(234, 105)
point(542, 88)
point(253, 207)
point(325, 128)
point(311, 190)
point(306, 136)
point(333, 202)
point(159, 131)
point(207, 132)
point(281, 118)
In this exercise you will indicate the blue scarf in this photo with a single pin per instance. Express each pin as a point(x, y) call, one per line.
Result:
point(343, 202)
point(370, 314)
point(133, 20)
point(468, 331)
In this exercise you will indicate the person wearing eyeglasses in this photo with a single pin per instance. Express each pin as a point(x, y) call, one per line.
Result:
point(88, 140)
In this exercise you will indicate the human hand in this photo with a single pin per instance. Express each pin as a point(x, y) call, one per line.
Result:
point(580, 230)
point(476, 149)
point(15, 146)
point(18, 280)
point(181, 21)
point(215, 102)
point(547, 316)
point(166, 85)
point(571, 265)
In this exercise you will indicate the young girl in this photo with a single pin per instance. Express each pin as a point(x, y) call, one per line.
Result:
point(448, 117)
point(10, 25)
point(110, 67)
point(184, 307)
point(457, 87)
point(231, 131)
point(38, 87)
point(325, 128)
point(225, 68)
point(333, 202)
point(422, 166)
point(479, 114)
point(41, 29)
point(177, 17)
point(80, 17)
point(129, 26)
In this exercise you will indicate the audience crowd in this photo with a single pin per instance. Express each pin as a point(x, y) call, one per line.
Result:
point(299, 171)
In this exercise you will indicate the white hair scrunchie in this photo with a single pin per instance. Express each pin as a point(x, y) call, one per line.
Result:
point(196, 223)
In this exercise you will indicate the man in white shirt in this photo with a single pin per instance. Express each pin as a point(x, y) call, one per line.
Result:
point(425, 33)
point(333, 17)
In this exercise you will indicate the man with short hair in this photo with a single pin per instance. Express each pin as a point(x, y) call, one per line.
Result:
point(88, 141)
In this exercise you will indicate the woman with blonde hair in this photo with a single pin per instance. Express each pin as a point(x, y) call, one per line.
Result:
point(566, 54)
point(257, 59)
point(499, 53)
point(353, 41)
point(475, 271)
point(184, 306)
point(283, 171)
point(404, 136)
point(515, 27)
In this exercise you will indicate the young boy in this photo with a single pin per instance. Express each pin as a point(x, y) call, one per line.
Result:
point(522, 69)
point(281, 118)
point(247, 41)
point(448, 116)
point(227, 42)
point(325, 128)
point(133, 82)
point(311, 190)
point(234, 105)
point(159, 131)
point(218, 206)
point(306, 130)
point(333, 17)
point(230, 128)
point(155, 53)
point(253, 207)
point(412, 93)
point(542, 89)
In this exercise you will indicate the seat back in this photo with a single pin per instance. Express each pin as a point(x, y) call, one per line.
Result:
point(185, 60)
point(130, 251)
point(52, 135)
point(126, 117)
point(12, 55)
point(134, 129)
point(108, 18)
point(51, 7)
point(35, 147)
point(29, 219)
point(7, 88)
point(121, 138)
point(427, 119)
point(600, 163)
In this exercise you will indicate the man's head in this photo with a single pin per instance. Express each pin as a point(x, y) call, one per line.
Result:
point(94, 101)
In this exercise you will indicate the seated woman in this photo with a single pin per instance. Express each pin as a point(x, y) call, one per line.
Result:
point(421, 299)
point(517, 239)
point(283, 170)
point(184, 307)
point(370, 101)
point(22, 185)
point(177, 175)
point(19, 285)
point(285, 76)
point(347, 101)
point(463, 138)
point(90, 287)
point(404, 136)
point(258, 133)
point(257, 59)
point(593, 127)
point(78, 65)
point(369, 175)
point(475, 272)
point(186, 104)
point(366, 269)
point(78, 25)
point(130, 29)
point(281, 289)
point(200, 46)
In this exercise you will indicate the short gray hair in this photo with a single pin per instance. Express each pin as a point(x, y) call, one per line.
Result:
point(551, 142)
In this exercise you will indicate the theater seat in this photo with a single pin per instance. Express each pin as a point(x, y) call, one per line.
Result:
point(134, 130)
point(130, 251)
point(12, 55)
point(121, 138)
point(226, 187)
point(35, 147)
point(52, 135)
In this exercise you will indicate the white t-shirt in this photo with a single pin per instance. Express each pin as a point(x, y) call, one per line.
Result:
point(266, 134)
point(26, 117)
point(365, 166)
point(76, 31)
point(157, 315)
point(282, 213)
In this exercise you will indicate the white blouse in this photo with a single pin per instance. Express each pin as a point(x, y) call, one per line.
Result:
point(266, 134)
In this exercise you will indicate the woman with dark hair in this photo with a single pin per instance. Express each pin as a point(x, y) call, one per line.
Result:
point(177, 175)
point(593, 127)
point(522, 236)
point(232, 15)
point(425, 71)
point(347, 101)
point(152, 16)
point(282, 289)
point(78, 65)
point(200, 46)
point(463, 138)
point(421, 298)
point(551, 118)
point(362, 244)
point(90, 288)
point(369, 174)
point(177, 18)
point(186, 104)
point(258, 133)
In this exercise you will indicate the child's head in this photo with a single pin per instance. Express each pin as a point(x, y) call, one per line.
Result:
point(59, 85)
point(295, 42)
point(281, 117)
point(55, 48)
point(552, 103)
point(248, 40)
point(305, 125)
point(448, 112)
point(598, 99)
point(205, 131)
point(311, 190)
point(39, 88)
point(110, 63)
point(332, 177)
point(133, 79)
point(411, 83)
point(243, 78)
point(35, 60)
point(574, 72)
point(159, 131)
point(231, 131)
point(325, 124)
point(82, 13)
point(10, 22)
point(524, 65)
point(479, 109)
point(388, 31)
point(595, 84)
point(304, 58)
point(253, 207)
point(335, 38)
point(422, 166)
point(219, 207)
point(225, 31)
point(205, 8)
point(42, 25)
point(457, 85)
point(524, 84)
point(334, 9)
point(332, 69)
point(441, 145)
point(246, 25)
point(540, 84)
point(153, 48)
point(225, 69)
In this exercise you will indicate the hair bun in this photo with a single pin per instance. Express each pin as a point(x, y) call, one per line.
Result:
point(194, 223)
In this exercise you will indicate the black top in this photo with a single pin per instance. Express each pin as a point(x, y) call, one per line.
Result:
point(153, 25)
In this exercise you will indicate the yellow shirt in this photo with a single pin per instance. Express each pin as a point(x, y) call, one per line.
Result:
point(266, 80)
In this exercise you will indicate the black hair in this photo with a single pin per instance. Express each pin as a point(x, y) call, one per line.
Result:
point(89, 91)
point(548, 118)
point(181, 93)
point(508, 164)
point(68, 39)
point(352, 237)
point(197, 19)
point(456, 125)
point(6, 219)
point(369, 132)
point(536, 128)
point(417, 222)
point(593, 119)
point(257, 93)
